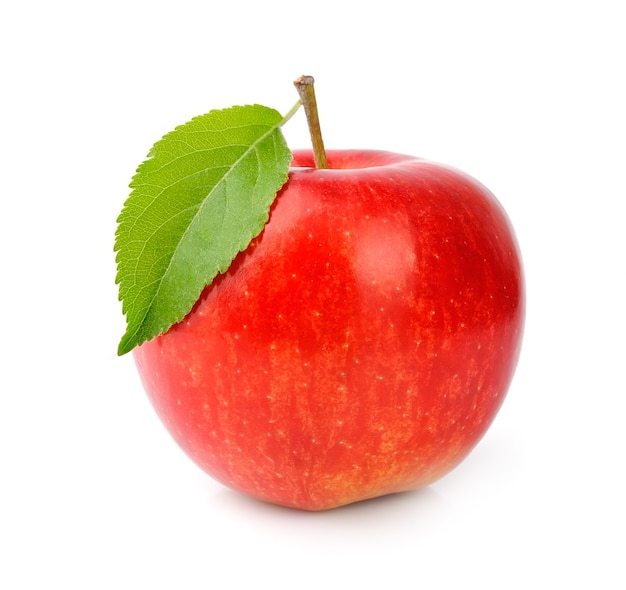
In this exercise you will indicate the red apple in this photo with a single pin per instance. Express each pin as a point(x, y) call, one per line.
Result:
point(360, 346)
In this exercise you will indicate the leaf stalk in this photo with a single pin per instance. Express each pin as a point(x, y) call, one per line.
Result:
point(292, 111)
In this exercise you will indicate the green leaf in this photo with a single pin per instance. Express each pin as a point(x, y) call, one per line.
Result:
point(201, 196)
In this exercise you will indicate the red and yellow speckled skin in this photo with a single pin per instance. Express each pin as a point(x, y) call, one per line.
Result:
point(360, 346)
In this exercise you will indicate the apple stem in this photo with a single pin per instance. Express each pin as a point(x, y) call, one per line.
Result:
point(304, 85)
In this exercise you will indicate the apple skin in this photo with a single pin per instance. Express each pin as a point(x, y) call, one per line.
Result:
point(360, 346)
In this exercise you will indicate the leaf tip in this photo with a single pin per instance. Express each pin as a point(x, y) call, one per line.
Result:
point(129, 341)
point(124, 347)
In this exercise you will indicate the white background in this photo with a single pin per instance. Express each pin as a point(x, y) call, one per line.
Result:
point(528, 97)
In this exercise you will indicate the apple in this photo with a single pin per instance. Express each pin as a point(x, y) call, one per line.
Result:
point(360, 346)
